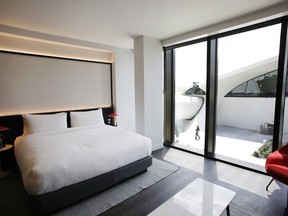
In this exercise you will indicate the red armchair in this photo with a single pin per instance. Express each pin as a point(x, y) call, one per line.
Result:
point(277, 165)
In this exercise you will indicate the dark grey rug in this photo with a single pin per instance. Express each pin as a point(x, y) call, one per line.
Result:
point(236, 210)
point(109, 198)
point(103, 201)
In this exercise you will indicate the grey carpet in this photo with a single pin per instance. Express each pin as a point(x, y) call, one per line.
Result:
point(103, 201)
point(236, 210)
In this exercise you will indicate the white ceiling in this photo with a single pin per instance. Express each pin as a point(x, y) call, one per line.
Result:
point(117, 22)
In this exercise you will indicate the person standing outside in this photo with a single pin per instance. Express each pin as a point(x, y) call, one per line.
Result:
point(197, 136)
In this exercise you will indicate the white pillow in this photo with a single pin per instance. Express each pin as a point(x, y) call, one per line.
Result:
point(43, 123)
point(85, 118)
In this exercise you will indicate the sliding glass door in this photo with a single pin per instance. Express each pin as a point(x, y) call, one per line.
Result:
point(190, 93)
point(224, 94)
point(247, 81)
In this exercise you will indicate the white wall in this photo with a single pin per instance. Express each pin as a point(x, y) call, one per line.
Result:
point(124, 93)
point(149, 89)
point(31, 84)
point(248, 113)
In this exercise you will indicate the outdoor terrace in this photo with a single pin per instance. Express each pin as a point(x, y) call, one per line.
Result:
point(237, 144)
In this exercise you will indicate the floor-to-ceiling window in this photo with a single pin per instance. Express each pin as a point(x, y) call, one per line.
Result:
point(190, 92)
point(247, 80)
point(237, 84)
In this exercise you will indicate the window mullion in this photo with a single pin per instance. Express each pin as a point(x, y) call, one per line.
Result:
point(169, 100)
point(281, 87)
point(211, 96)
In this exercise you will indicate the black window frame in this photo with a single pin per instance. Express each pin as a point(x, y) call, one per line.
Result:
point(212, 82)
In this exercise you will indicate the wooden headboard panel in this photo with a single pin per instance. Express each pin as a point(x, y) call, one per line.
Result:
point(15, 123)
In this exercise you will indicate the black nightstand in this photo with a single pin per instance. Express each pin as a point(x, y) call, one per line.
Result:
point(7, 147)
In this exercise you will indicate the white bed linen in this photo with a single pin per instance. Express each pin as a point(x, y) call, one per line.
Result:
point(52, 160)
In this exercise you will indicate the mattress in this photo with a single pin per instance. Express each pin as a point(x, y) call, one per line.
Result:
point(53, 160)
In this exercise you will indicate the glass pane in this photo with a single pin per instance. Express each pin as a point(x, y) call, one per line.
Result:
point(240, 89)
point(190, 93)
point(252, 88)
point(247, 67)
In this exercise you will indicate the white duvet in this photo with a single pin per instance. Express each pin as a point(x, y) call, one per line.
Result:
point(52, 160)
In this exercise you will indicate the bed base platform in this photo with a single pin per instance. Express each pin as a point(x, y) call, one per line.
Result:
point(51, 202)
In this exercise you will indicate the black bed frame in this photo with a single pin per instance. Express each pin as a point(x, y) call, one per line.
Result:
point(49, 203)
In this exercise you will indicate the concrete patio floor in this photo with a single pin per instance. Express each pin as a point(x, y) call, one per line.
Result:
point(231, 142)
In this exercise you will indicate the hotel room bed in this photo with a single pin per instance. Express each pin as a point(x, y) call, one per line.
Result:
point(61, 166)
